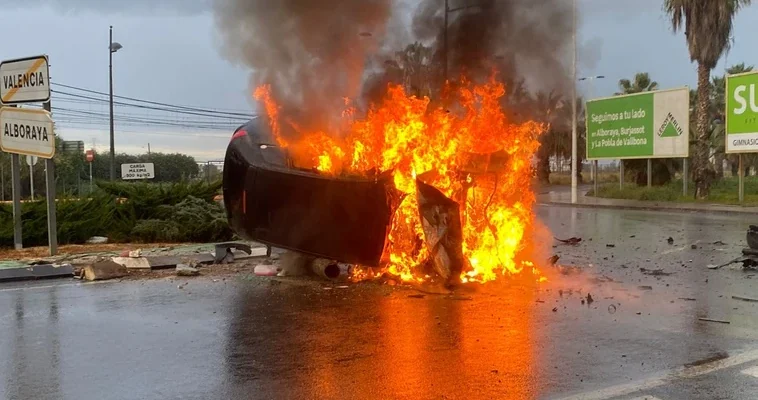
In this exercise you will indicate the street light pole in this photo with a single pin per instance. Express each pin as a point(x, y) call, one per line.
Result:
point(573, 114)
point(590, 95)
point(112, 48)
point(110, 74)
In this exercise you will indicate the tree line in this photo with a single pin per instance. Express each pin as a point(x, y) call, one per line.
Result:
point(72, 171)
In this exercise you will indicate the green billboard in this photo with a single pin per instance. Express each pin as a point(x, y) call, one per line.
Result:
point(643, 125)
point(741, 113)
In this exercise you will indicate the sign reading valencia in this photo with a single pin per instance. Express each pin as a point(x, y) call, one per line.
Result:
point(25, 80)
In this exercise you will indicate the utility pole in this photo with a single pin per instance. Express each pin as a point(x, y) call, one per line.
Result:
point(444, 45)
point(590, 96)
point(573, 114)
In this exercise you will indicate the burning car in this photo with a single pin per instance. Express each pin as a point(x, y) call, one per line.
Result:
point(271, 201)
point(414, 189)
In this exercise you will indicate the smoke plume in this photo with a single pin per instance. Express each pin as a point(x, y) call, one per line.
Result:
point(315, 53)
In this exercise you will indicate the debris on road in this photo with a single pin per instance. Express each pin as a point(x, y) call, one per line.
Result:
point(97, 240)
point(186, 270)
point(645, 287)
point(572, 241)
point(670, 240)
point(719, 243)
point(693, 247)
point(655, 272)
point(417, 296)
point(103, 270)
point(610, 245)
point(265, 270)
point(752, 237)
point(553, 260)
point(687, 299)
point(718, 321)
point(132, 262)
point(612, 309)
point(590, 300)
point(748, 299)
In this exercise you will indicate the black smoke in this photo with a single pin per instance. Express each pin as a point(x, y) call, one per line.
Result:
point(315, 53)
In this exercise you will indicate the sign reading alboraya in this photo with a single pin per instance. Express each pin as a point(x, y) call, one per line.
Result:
point(27, 131)
point(644, 125)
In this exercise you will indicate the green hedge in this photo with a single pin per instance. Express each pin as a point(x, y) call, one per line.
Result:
point(123, 212)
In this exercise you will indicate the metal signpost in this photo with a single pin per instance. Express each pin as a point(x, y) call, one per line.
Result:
point(639, 126)
point(137, 171)
point(741, 119)
point(28, 132)
point(90, 159)
point(31, 160)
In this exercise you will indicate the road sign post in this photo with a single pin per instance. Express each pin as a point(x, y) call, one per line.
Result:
point(90, 154)
point(16, 193)
point(639, 126)
point(28, 132)
point(741, 118)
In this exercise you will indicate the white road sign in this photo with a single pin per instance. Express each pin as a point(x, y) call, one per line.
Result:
point(27, 131)
point(138, 171)
point(25, 80)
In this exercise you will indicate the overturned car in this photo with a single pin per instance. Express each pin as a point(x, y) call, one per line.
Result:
point(269, 200)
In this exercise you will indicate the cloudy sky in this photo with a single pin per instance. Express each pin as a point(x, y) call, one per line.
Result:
point(171, 55)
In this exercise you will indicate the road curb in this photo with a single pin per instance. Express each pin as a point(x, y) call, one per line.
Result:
point(650, 208)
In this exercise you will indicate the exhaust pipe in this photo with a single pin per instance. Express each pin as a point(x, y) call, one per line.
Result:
point(326, 269)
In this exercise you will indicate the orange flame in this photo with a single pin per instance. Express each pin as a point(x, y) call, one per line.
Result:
point(473, 154)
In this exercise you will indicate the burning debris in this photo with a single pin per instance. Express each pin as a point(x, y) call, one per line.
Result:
point(412, 174)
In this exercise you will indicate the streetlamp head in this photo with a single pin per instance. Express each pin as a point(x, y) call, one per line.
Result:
point(115, 46)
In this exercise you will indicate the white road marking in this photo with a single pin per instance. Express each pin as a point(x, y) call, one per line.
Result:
point(666, 377)
point(753, 371)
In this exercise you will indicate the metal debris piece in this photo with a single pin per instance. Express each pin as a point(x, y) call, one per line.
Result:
point(670, 240)
point(719, 321)
point(224, 254)
point(590, 300)
point(687, 299)
point(752, 237)
point(655, 272)
point(573, 241)
point(612, 309)
point(441, 222)
point(610, 245)
point(553, 260)
point(748, 299)
point(645, 287)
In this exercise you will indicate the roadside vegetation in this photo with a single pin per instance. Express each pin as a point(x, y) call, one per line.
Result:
point(723, 191)
point(126, 212)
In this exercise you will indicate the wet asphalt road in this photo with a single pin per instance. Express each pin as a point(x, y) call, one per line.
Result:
point(259, 338)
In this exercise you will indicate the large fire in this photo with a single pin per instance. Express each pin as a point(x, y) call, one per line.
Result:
point(473, 154)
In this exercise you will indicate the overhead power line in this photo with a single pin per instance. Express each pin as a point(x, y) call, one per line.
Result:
point(173, 106)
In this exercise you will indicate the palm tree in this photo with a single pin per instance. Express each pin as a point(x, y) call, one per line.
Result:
point(641, 83)
point(707, 25)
